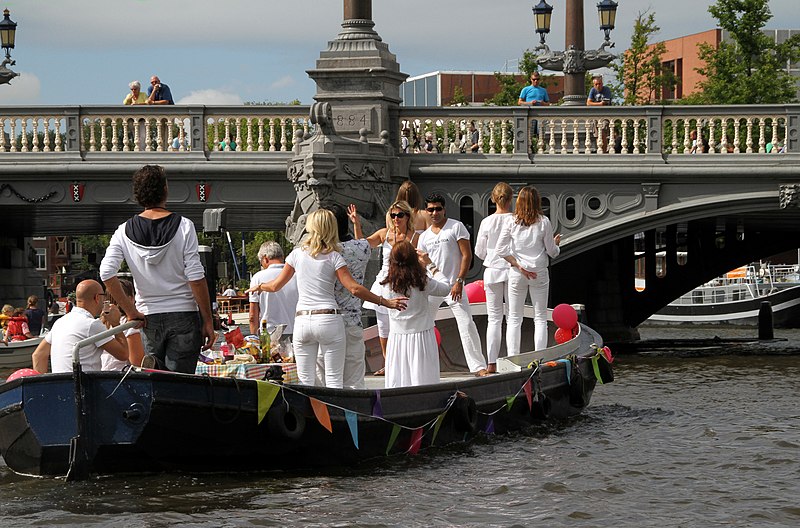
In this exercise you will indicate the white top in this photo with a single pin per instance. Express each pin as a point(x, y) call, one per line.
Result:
point(485, 244)
point(161, 274)
point(279, 307)
point(108, 361)
point(75, 326)
point(530, 245)
point(316, 278)
point(417, 316)
point(442, 247)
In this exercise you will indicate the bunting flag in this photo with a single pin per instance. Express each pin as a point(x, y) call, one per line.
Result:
point(352, 422)
point(489, 425)
point(596, 368)
point(567, 367)
point(393, 438)
point(266, 395)
point(437, 425)
point(510, 402)
point(377, 410)
point(528, 393)
point(321, 412)
point(416, 441)
point(607, 353)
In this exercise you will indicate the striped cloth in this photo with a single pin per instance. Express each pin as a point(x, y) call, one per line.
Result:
point(247, 370)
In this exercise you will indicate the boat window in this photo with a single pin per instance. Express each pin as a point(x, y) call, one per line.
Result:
point(719, 296)
point(697, 297)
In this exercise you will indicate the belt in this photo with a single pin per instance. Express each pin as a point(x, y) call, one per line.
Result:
point(328, 311)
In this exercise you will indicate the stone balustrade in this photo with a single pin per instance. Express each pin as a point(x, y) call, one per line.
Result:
point(503, 131)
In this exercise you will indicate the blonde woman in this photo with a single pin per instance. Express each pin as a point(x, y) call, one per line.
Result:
point(409, 193)
point(399, 227)
point(527, 244)
point(495, 275)
point(318, 322)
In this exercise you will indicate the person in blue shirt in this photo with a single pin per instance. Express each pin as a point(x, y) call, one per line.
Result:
point(534, 95)
point(158, 93)
point(599, 95)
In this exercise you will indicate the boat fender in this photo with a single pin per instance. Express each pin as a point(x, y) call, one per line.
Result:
point(577, 390)
point(285, 421)
point(540, 409)
point(465, 414)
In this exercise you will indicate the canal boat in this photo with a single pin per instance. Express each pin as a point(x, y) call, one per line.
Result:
point(92, 423)
point(17, 354)
point(736, 298)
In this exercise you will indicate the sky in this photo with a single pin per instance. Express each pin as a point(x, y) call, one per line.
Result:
point(210, 52)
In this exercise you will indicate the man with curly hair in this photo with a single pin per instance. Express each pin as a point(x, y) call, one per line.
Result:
point(160, 248)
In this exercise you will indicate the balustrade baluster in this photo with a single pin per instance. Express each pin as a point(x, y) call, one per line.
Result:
point(250, 134)
point(24, 135)
point(624, 134)
point(295, 128)
point(587, 141)
point(148, 147)
point(723, 142)
point(126, 146)
point(749, 139)
point(687, 140)
point(271, 134)
point(712, 143)
point(2, 134)
point(543, 126)
point(636, 124)
point(504, 136)
point(575, 139)
point(564, 136)
point(492, 149)
point(103, 135)
point(170, 126)
point(260, 122)
point(35, 135)
point(736, 138)
point(774, 140)
point(239, 140)
point(226, 139)
point(612, 136)
point(285, 134)
point(13, 146)
point(762, 135)
point(114, 137)
point(674, 128)
point(446, 135)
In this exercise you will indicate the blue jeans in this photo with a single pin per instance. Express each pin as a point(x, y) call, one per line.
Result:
point(175, 339)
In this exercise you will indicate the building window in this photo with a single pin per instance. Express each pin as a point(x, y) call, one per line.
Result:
point(75, 249)
point(41, 258)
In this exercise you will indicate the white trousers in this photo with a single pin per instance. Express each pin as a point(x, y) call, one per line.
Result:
point(496, 294)
point(383, 323)
point(470, 340)
point(354, 365)
point(518, 288)
point(319, 334)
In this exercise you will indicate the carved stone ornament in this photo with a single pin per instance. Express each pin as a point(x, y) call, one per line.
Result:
point(789, 195)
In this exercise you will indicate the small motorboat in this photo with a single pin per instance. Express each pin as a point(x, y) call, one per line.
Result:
point(17, 354)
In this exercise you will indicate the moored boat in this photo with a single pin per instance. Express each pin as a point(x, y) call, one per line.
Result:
point(17, 354)
point(106, 422)
point(736, 298)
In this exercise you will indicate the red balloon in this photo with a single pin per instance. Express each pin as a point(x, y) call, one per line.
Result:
point(438, 336)
point(21, 373)
point(475, 292)
point(563, 335)
point(565, 316)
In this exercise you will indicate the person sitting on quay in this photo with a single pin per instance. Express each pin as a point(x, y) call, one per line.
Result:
point(17, 329)
point(80, 323)
point(35, 315)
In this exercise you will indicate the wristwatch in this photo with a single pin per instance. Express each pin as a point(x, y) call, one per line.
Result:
point(460, 280)
point(430, 267)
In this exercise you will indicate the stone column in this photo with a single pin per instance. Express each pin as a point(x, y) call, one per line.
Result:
point(574, 83)
point(354, 9)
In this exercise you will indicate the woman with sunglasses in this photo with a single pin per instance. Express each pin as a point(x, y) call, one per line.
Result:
point(495, 275)
point(400, 221)
point(409, 192)
point(527, 244)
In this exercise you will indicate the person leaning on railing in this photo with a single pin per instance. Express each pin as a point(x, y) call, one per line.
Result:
point(599, 95)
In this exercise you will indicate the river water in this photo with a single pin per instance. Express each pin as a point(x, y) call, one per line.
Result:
point(702, 439)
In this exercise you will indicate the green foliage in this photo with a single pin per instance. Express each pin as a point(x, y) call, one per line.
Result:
point(510, 87)
point(640, 78)
point(92, 244)
point(459, 99)
point(748, 70)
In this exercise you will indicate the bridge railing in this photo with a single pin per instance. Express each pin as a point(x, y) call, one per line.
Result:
point(562, 130)
point(90, 129)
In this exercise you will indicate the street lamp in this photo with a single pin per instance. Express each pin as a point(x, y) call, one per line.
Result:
point(8, 31)
point(574, 61)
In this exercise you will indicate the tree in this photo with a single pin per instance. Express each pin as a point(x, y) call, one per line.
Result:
point(750, 68)
point(510, 87)
point(640, 78)
point(459, 99)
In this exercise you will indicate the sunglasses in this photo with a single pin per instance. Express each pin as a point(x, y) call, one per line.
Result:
point(401, 214)
point(434, 209)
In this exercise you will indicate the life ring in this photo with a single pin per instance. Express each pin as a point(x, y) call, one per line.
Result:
point(465, 414)
point(285, 421)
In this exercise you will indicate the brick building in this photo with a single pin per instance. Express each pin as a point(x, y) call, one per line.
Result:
point(438, 88)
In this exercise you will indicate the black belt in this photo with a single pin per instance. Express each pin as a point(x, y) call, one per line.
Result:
point(328, 311)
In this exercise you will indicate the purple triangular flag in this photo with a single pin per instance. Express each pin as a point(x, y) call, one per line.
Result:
point(490, 426)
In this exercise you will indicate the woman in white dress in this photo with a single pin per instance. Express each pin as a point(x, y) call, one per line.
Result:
point(412, 354)
point(527, 244)
point(495, 275)
point(132, 335)
point(400, 221)
point(318, 323)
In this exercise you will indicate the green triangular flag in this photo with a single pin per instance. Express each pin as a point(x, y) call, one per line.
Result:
point(436, 426)
point(510, 402)
point(266, 395)
point(393, 438)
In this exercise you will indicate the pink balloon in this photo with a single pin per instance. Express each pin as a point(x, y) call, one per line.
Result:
point(563, 335)
point(438, 336)
point(475, 292)
point(21, 373)
point(565, 316)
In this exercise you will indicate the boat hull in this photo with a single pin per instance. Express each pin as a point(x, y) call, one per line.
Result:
point(785, 304)
point(157, 421)
point(18, 353)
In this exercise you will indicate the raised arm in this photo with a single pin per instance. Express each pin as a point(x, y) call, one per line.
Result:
point(275, 284)
point(347, 280)
point(375, 239)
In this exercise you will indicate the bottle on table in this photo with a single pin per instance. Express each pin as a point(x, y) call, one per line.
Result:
point(266, 342)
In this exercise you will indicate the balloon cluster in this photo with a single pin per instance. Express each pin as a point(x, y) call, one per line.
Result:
point(566, 319)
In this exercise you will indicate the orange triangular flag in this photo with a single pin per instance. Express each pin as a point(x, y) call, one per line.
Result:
point(528, 393)
point(321, 412)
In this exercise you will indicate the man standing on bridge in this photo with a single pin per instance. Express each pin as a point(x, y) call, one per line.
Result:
point(160, 248)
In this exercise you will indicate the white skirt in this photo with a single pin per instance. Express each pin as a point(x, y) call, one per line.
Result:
point(412, 359)
point(377, 289)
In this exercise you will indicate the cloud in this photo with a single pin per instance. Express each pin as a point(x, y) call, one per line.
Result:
point(24, 89)
point(284, 82)
point(211, 97)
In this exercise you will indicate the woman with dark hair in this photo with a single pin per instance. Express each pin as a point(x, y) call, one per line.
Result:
point(132, 335)
point(409, 193)
point(412, 354)
point(527, 244)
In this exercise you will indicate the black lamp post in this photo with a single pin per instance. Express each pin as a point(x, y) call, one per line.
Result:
point(8, 31)
point(574, 61)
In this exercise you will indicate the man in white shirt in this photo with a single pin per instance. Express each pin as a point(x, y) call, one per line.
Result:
point(279, 307)
point(447, 243)
point(80, 323)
